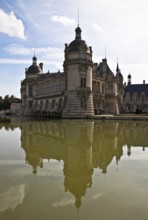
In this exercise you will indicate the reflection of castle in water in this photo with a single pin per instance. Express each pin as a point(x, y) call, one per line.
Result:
point(82, 145)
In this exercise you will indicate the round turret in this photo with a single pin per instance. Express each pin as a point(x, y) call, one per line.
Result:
point(78, 67)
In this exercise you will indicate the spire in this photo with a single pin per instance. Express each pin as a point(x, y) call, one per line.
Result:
point(117, 69)
point(105, 51)
point(78, 16)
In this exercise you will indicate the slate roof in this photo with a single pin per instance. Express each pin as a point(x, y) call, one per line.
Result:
point(138, 88)
point(99, 69)
point(34, 69)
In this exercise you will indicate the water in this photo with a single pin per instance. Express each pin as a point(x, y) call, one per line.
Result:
point(73, 169)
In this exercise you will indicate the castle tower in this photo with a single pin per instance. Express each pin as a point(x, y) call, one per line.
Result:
point(78, 69)
point(120, 87)
point(28, 87)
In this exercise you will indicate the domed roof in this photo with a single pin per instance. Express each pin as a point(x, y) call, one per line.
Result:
point(34, 69)
point(78, 42)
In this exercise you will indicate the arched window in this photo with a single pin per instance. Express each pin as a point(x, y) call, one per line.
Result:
point(65, 101)
point(53, 104)
point(60, 103)
point(41, 105)
point(36, 104)
point(47, 103)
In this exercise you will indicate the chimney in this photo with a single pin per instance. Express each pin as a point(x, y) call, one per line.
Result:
point(41, 66)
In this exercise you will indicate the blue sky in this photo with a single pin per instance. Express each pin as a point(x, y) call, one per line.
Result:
point(46, 25)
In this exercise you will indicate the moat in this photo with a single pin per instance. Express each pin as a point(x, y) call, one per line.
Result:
point(73, 169)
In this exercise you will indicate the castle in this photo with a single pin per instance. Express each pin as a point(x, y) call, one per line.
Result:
point(83, 89)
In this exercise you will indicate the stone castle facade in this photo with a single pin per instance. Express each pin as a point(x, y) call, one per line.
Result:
point(82, 90)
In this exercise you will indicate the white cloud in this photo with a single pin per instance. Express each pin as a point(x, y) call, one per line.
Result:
point(46, 3)
point(12, 198)
point(49, 55)
point(14, 61)
point(96, 196)
point(96, 27)
point(64, 20)
point(11, 26)
point(16, 49)
point(63, 202)
point(53, 64)
point(11, 162)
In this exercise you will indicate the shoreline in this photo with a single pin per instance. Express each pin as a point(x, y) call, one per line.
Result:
point(94, 117)
point(120, 117)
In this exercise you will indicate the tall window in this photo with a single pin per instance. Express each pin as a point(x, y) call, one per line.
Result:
point(47, 103)
point(30, 91)
point(53, 104)
point(60, 103)
point(41, 105)
point(83, 79)
point(30, 104)
point(82, 55)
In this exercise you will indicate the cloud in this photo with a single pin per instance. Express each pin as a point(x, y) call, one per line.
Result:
point(12, 198)
point(96, 27)
point(14, 61)
point(63, 202)
point(46, 3)
point(11, 162)
point(11, 26)
point(64, 20)
point(96, 196)
point(17, 49)
point(52, 56)
point(52, 64)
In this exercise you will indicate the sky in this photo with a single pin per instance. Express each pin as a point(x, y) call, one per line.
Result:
point(117, 29)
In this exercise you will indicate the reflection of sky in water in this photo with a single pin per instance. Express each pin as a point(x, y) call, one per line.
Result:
point(11, 198)
point(10, 146)
point(64, 174)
